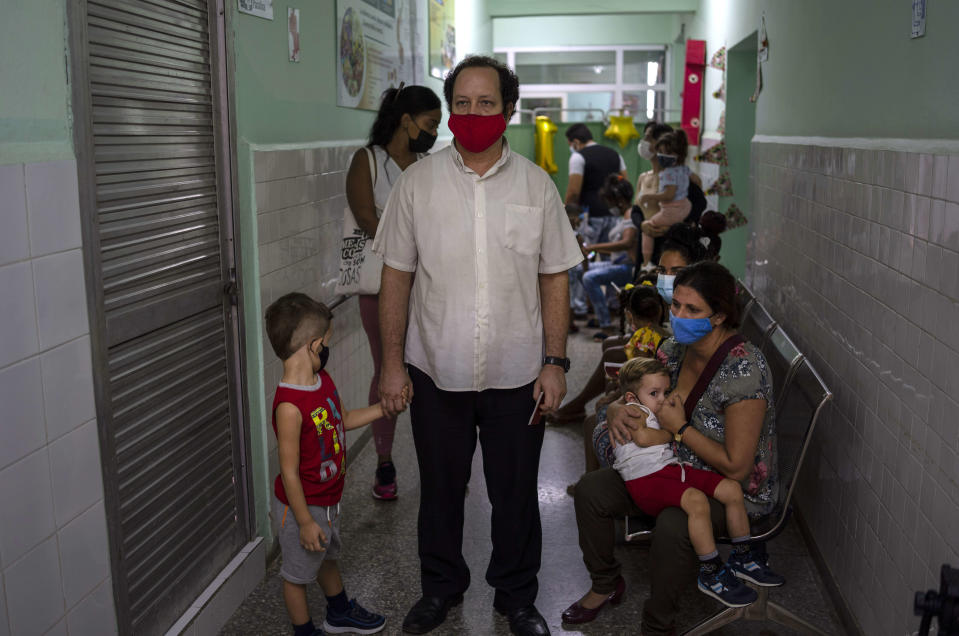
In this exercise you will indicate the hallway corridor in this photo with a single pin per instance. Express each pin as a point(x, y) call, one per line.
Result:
point(381, 570)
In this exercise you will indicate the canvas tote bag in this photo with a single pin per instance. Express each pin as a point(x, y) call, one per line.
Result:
point(360, 268)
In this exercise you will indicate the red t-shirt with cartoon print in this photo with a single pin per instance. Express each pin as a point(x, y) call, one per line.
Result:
point(322, 440)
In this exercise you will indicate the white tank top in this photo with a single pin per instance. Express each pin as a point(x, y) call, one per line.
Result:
point(633, 462)
point(385, 176)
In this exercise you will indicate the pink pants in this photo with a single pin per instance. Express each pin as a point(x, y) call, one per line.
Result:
point(669, 213)
point(383, 428)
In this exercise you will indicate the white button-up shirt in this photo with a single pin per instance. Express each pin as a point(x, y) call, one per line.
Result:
point(476, 245)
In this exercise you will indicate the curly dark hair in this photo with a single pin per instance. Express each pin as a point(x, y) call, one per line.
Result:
point(508, 82)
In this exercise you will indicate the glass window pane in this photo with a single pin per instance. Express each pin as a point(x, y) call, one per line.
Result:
point(646, 105)
point(500, 57)
point(529, 103)
point(602, 100)
point(567, 67)
point(644, 67)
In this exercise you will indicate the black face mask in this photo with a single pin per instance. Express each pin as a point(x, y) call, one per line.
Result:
point(423, 142)
point(323, 355)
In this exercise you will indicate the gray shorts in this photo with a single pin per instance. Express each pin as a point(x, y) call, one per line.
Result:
point(299, 565)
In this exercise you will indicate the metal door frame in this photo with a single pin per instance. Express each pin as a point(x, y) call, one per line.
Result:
point(222, 71)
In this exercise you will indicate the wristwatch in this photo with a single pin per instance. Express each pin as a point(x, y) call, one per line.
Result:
point(560, 362)
point(678, 435)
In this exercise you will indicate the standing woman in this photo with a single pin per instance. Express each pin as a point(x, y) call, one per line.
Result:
point(405, 129)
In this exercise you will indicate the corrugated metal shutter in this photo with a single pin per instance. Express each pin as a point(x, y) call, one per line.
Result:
point(177, 517)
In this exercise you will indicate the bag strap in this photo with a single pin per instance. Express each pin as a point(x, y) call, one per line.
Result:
point(709, 371)
point(372, 160)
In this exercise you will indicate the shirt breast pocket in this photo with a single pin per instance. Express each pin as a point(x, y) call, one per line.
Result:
point(524, 228)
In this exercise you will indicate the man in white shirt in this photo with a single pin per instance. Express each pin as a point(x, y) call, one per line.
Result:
point(482, 327)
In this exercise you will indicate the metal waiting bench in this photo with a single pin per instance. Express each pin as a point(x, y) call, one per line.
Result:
point(800, 396)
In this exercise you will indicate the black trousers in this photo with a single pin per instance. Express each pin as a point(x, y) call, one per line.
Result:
point(445, 427)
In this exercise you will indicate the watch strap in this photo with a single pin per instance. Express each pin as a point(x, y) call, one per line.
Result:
point(563, 363)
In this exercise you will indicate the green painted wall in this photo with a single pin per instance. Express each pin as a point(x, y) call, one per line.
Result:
point(35, 112)
point(499, 8)
point(278, 101)
point(585, 30)
point(740, 127)
point(843, 69)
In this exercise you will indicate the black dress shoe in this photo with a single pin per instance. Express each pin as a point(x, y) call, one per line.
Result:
point(429, 613)
point(527, 621)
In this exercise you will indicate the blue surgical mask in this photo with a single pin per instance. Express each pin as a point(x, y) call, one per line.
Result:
point(689, 330)
point(664, 285)
point(666, 161)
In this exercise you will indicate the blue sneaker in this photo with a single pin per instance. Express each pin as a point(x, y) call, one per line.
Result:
point(749, 567)
point(723, 586)
point(355, 620)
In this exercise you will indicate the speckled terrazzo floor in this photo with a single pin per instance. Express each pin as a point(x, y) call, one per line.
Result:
point(381, 570)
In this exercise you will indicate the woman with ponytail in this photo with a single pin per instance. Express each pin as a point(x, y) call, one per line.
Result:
point(404, 130)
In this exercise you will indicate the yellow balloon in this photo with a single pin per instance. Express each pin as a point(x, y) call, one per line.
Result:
point(545, 129)
point(621, 128)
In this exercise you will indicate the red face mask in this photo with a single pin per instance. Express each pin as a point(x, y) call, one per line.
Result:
point(476, 133)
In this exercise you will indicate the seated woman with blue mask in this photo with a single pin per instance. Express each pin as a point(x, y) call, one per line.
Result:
point(727, 426)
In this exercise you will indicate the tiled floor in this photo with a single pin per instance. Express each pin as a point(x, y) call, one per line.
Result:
point(380, 566)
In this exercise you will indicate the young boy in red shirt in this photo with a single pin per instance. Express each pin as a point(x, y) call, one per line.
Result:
point(310, 422)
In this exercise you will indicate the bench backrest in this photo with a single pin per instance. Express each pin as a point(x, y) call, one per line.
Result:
point(799, 396)
point(758, 325)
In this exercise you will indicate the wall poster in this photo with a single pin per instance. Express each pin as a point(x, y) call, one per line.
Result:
point(293, 39)
point(378, 46)
point(442, 37)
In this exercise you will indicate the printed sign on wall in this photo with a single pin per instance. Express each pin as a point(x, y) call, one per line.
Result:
point(259, 8)
point(377, 47)
point(442, 38)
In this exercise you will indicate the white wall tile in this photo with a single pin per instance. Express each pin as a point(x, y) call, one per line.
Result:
point(34, 595)
point(17, 313)
point(53, 203)
point(75, 466)
point(885, 319)
point(14, 238)
point(61, 298)
point(22, 400)
point(4, 624)
point(26, 506)
point(940, 176)
point(952, 192)
point(95, 615)
point(68, 386)
point(60, 629)
point(84, 553)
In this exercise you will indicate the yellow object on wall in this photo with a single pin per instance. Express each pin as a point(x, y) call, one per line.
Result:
point(622, 129)
point(545, 129)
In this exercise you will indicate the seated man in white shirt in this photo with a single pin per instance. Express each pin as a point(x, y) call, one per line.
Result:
point(474, 299)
